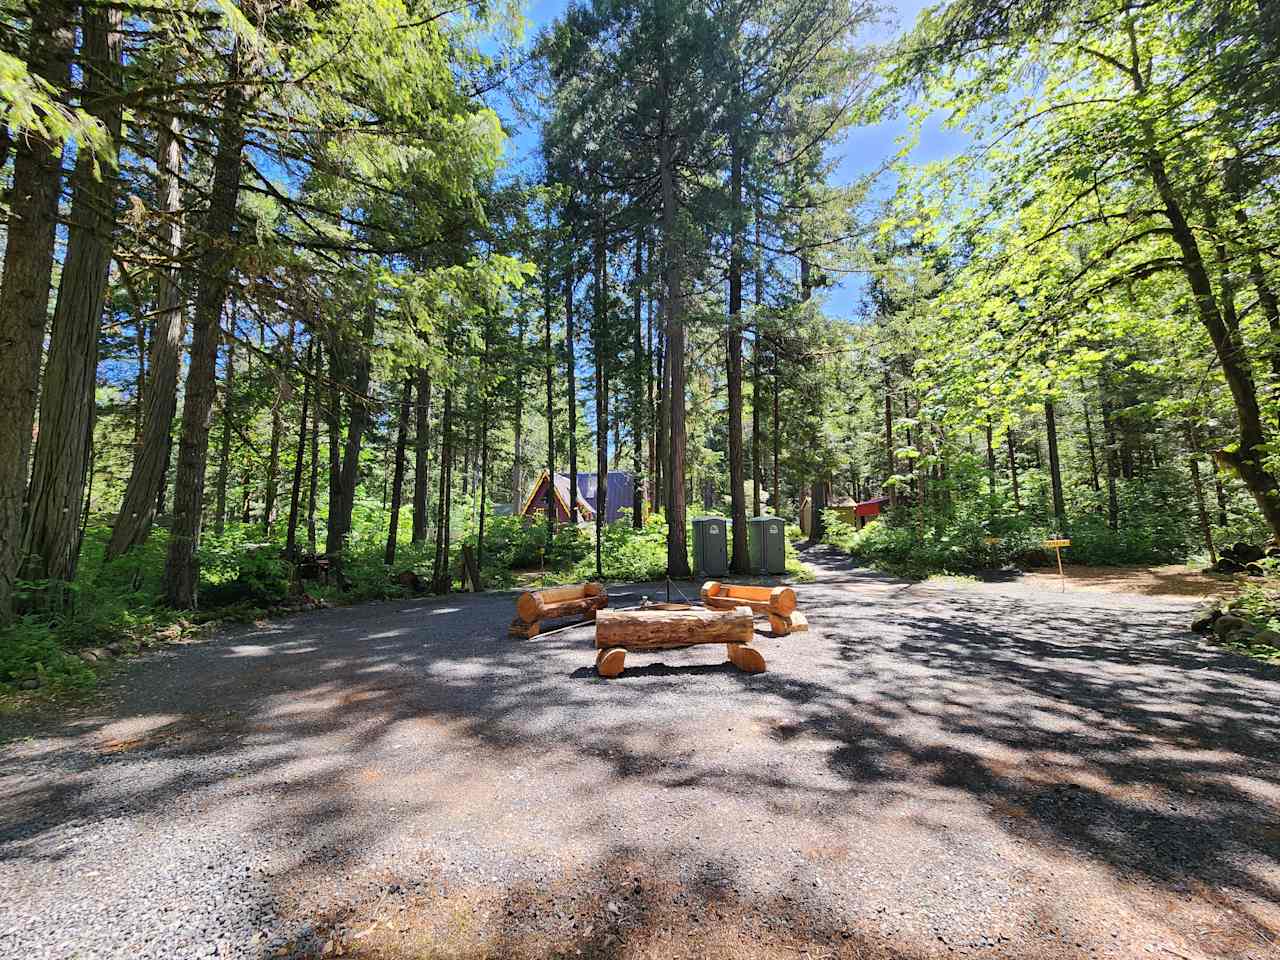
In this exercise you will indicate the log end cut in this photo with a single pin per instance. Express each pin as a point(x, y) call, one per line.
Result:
point(609, 663)
point(747, 659)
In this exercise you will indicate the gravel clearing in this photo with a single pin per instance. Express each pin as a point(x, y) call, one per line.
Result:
point(937, 770)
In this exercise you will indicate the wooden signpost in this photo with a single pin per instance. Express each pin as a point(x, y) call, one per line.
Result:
point(1057, 546)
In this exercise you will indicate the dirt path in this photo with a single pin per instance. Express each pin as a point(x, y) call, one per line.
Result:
point(936, 770)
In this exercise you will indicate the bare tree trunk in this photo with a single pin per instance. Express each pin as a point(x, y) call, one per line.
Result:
point(441, 577)
point(570, 363)
point(224, 452)
point(397, 483)
point(421, 455)
point(517, 450)
point(548, 296)
point(1055, 467)
point(738, 560)
point(1093, 453)
point(599, 333)
point(283, 395)
point(1113, 462)
point(317, 366)
point(673, 262)
point(777, 438)
point(890, 459)
point(141, 496)
point(299, 460)
point(637, 392)
point(51, 538)
point(1013, 469)
point(339, 520)
point(991, 464)
point(182, 573)
point(24, 288)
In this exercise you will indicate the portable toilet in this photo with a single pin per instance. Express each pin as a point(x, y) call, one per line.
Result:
point(710, 546)
point(767, 544)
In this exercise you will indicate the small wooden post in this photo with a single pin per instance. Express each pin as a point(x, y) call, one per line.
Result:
point(1057, 549)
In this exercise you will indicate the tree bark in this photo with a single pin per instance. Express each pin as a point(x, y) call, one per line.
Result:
point(24, 289)
point(890, 459)
point(55, 498)
point(571, 387)
point(224, 451)
point(317, 366)
point(638, 364)
point(517, 447)
point(182, 573)
point(1013, 469)
point(672, 253)
point(397, 482)
point(1055, 467)
point(299, 460)
point(283, 394)
point(599, 333)
point(339, 519)
point(141, 496)
point(548, 297)
point(421, 455)
point(441, 577)
point(1093, 453)
point(739, 561)
point(1113, 459)
point(991, 464)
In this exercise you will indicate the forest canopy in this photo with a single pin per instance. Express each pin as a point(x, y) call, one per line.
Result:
point(302, 299)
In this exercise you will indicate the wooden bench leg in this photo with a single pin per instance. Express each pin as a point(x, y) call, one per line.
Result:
point(609, 663)
point(520, 628)
point(783, 626)
point(747, 659)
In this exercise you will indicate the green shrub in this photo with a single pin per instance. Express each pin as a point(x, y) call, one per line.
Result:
point(30, 650)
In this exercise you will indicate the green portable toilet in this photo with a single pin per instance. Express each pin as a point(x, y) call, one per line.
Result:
point(710, 546)
point(767, 544)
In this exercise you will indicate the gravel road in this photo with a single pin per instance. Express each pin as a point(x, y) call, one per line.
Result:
point(976, 770)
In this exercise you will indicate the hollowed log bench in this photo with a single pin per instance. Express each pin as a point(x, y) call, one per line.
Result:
point(554, 603)
point(779, 603)
point(672, 627)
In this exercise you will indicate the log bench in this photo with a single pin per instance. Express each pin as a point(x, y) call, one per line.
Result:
point(778, 603)
point(673, 627)
point(554, 603)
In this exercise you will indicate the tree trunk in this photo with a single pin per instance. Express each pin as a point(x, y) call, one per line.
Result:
point(317, 366)
point(421, 455)
point(571, 387)
point(283, 394)
point(1202, 512)
point(599, 333)
point(1013, 469)
point(141, 496)
point(638, 363)
point(51, 539)
point(517, 447)
point(339, 520)
point(672, 254)
point(224, 452)
point(24, 289)
point(441, 577)
point(662, 460)
point(299, 460)
point(1113, 458)
point(1055, 467)
point(182, 574)
point(891, 465)
point(548, 296)
point(738, 559)
point(397, 483)
point(991, 464)
point(777, 439)
point(1093, 453)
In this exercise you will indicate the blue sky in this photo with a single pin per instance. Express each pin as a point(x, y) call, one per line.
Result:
point(863, 151)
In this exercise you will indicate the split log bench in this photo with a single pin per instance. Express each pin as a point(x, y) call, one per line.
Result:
point(673, 627)
point(779, 603)
point(554, 603)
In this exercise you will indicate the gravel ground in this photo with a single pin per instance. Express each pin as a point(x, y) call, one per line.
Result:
point(939, 770)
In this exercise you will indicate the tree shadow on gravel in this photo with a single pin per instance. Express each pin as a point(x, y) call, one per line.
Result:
point(346, 736)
